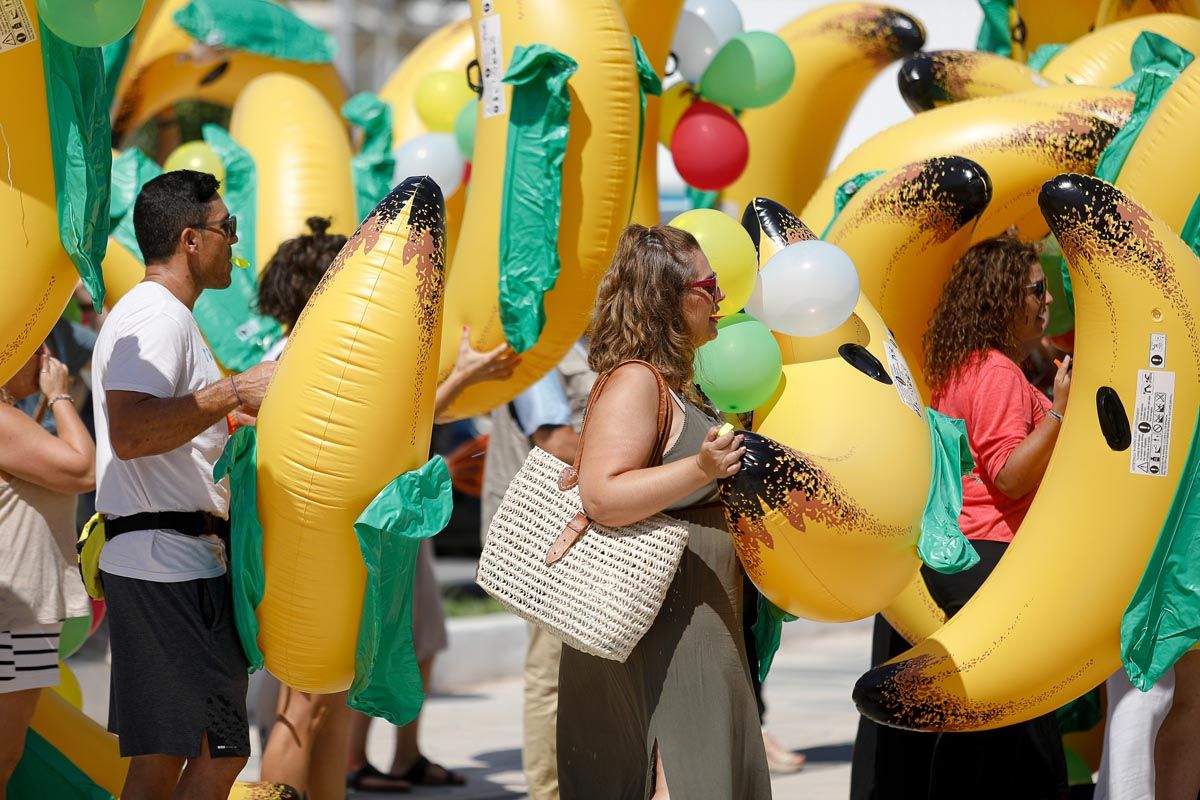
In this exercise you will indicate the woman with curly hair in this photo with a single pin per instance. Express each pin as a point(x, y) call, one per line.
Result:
point(680, 712)
point(992, 315)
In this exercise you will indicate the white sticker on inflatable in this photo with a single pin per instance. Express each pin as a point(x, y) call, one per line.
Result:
point(902, 378)
point(1152, 412)
point(15, 28)
point(1158, 351)
point(491, 66)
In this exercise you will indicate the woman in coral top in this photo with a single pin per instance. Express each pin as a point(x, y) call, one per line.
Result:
point(992, 315)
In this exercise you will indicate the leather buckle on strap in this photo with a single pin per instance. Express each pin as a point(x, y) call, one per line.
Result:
point(571, 534)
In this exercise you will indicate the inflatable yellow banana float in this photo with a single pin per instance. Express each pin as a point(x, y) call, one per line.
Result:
point(40, 277)
point(1162, 170)
point(301, 154)
point(941, 77)
point(1054, 23)
point(122, 271)
point(772, 228)
point(838, 50)
point(1111, 11)
point(450, 48)
point(1102, 57)
point(350, 408)
point(597, 182)
point(904, 231)
point(1029, 641)
point(167, 65)
point(85, 743)
point(653, 22)
point(1020, 140)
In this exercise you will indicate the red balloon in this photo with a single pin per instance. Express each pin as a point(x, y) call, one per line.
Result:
point(709, 147)
point(98, 609)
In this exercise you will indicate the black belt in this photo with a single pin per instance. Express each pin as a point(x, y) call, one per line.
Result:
point(189, 523)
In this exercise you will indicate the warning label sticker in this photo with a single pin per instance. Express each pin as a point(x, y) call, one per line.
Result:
point(1152, 412)
point(491, 66)
point(1158, 351)
point(902, 377)
point(15, 29)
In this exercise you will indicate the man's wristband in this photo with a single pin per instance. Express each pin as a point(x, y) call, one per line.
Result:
point(238, 394)
point(1054, 414)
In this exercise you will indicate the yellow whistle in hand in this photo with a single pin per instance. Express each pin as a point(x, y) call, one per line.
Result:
point(726, 428)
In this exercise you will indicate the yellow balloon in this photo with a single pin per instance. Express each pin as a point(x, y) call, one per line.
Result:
point(196, 155)
point(675, 101)
point(730, 251)
point(440, 96)
point(68, 686)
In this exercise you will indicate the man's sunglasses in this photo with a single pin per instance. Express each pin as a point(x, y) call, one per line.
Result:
point(709, 285)
point(227, 227)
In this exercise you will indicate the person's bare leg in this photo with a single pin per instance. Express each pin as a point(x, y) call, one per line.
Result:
point(16, 710)
point(288, 751)
point(152, 777)
point(408, 748)
point(661, 792)
point(205, 777)
point(356, 757)
point(780, 759)
point(327, 772)
point(1176, 749)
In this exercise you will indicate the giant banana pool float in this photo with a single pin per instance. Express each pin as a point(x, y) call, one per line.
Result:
point(1029, 640)
point(167, 65)
point(1054, 23)
point(1162, 170)
point(818, 531)
point(838, 50)
point(597, 182)
point(301, 153)
point(40, 275)
point(1020, 140)
point(1101, 58)
point(350, 408)
point(1110, 11)
point(904, 231)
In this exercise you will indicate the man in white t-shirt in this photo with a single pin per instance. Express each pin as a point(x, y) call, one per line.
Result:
point(160, 402)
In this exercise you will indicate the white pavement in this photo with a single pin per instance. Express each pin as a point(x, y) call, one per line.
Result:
point(477, 731)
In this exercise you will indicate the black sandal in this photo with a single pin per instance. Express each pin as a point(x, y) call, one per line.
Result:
point(418, 775)
point(367, 779)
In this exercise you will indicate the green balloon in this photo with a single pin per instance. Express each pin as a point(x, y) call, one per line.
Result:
point(1061, 318)
point(90, 23)
point(751, 70)
point(74, 634)
point(740, 369)
point(464, 130)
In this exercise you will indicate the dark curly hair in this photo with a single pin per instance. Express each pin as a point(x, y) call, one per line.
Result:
point(294, 271)
point(167, 205)
point(979, 303)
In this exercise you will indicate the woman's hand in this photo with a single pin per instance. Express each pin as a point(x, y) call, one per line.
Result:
point(720, 456)
point(474, 366)
point(53, 379)
point(1062, 385)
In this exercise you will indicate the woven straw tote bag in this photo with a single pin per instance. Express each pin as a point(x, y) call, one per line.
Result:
point(597, 589)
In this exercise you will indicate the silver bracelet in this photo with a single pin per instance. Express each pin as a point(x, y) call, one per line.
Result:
point(1054, 414)
point(58, 397)
point(238, 394)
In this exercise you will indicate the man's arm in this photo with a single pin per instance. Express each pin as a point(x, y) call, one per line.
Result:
point(141, 425)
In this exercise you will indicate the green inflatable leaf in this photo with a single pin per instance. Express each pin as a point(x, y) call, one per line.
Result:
point(942, 545)
point(648, 84)
point(239, 337)
point(130, 172)
point(372, 168)
point(415, 506)
point(239, 462)
point(768, 633)
point(256, 26)
point(995, 34)
point(81, 143)
point(44, 772)
point(846, 191)
point(531, 202)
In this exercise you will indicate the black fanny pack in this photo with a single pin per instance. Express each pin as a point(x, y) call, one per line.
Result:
point(189, 523)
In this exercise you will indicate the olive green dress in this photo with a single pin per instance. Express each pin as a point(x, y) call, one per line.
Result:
point(686, 685)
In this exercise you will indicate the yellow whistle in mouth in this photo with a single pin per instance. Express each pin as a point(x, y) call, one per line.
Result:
point(240, 263)
point(726, 428)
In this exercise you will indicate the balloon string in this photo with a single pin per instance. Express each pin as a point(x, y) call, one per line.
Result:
point(8, 159)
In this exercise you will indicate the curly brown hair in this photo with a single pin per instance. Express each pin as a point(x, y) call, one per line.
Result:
point(637, 311)
point(979, 303)
point(293, 273)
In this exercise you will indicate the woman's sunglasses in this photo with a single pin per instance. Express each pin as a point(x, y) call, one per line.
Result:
point(227, 226)
point(1037, 289)
point(709, 285)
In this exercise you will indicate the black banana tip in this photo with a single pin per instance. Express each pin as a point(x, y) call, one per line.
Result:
point(966, 184)
point(907, 32)
point(918, 83)
point(1064, 194)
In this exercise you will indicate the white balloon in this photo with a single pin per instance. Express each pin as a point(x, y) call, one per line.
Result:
point(432, 154)
point(704, 26)
point(806, 289)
